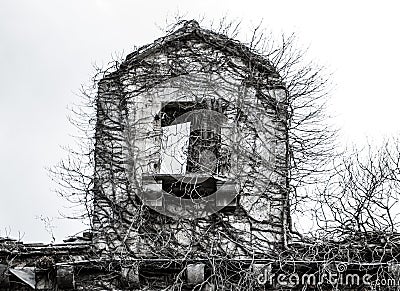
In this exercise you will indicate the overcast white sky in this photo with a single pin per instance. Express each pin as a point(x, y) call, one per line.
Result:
point(47, 49)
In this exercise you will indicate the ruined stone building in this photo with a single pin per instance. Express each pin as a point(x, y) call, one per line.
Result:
point(191, 154)
point(190, 187)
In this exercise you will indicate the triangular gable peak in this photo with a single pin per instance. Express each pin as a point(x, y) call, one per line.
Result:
point(191, 36)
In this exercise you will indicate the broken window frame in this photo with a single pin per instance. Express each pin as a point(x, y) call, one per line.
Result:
point(207, 138)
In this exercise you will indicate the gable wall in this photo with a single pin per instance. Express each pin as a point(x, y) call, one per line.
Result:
point(133, 149)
